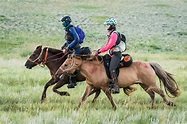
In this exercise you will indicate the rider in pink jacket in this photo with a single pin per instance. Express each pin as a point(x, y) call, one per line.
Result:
point(111, 42)
point(114, 51)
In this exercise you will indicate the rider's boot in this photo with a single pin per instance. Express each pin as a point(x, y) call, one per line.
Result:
point(113, 87)
point(72, 81)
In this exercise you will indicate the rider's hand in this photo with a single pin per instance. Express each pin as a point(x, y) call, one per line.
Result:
point(97, 52)
point(65, 50)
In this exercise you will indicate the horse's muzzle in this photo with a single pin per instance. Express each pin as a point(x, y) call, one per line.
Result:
point(28, 67)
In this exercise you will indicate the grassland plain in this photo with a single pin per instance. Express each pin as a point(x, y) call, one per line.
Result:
point(156, 31)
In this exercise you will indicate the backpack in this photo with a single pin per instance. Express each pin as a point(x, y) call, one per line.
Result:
point(121, 38)
point(81, 33)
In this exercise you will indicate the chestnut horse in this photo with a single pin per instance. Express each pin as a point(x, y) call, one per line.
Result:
point(138, 72)
point(53, 58)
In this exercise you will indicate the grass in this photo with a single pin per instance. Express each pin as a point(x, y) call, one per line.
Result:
point(23, 90)
point(155, 31)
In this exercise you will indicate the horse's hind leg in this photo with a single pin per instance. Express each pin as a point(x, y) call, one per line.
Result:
point(161, 93)
point(108, 94)
point(49, 83)
point(59, 84)
point(128, 90)
point(151, 94)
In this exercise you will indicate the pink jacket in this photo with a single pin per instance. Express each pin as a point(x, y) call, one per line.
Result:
point(111, 42)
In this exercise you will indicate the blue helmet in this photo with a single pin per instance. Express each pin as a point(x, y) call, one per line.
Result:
point(66, 20)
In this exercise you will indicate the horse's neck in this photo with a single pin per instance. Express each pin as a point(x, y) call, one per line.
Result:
point(53, 64)
point(91, 69)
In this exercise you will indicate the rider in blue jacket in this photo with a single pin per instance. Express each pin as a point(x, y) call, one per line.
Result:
point(71, 36)
point(71, 45)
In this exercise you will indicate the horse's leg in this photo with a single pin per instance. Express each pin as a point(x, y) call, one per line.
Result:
point(161, 93)
point(85, 95)
point(49, 83)
point(151, 94)
point(59, 84)
point(97, 93)
point(108, 94)
point(128, 90)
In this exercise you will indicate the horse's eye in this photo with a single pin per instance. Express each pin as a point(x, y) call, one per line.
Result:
point(34, 54)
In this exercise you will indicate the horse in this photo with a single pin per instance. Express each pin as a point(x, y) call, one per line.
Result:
point(139, 72)
point(53, 58)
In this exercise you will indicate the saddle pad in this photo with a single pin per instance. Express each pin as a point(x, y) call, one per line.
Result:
point(106, 61)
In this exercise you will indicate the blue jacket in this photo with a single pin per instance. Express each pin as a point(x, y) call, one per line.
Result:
point(75, 42)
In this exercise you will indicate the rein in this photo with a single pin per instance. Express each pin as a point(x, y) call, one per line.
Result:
point(73, 63)
point(72, 66)
point(96, 58)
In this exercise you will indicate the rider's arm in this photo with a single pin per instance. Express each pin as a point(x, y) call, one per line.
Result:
point(65, 45)
point(111, 42)
point(76, 38)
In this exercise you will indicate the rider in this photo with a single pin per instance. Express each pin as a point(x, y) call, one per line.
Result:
point(72, 38)
point(72, 44)
point(114, 51)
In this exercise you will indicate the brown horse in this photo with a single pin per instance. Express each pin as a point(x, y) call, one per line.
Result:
point(53, 58)
point(142, 73)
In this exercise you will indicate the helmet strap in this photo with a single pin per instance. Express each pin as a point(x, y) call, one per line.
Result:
point(111, 28)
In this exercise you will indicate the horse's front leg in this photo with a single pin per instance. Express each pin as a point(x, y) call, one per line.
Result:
point(49, 83)
point(59, 84)
point(108, 94)
point(85, 95)
point(97, 93)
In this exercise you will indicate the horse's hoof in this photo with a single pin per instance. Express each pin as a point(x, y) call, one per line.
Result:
point(42, 101)
point(67, 94)
point(64, 94)
point(152, 107)
point(114, 108)
point(93, 101)
point(171, 104)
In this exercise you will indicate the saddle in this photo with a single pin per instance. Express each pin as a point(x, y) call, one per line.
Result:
point(126, 61)
point(85, 51)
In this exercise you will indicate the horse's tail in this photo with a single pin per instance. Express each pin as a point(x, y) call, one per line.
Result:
point(169, 82)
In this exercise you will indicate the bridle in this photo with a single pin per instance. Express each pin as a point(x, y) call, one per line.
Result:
point(42, 63)
point(38, 59)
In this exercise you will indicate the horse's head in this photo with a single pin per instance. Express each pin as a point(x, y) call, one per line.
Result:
point(71, 64)
point(35, 58)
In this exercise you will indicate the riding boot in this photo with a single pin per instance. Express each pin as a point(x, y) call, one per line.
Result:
point(72, 81)
point(113, 87)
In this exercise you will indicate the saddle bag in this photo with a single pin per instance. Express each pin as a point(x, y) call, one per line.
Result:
point(126, 60)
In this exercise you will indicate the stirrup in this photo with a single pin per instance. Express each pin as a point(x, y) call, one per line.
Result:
point(114, 89)
point(71, 86)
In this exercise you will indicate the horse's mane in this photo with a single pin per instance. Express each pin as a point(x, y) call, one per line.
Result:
point(53, 50)
point(89, 57)
point(56, 53)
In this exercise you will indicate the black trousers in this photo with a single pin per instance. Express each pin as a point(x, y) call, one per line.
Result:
point(114, 63)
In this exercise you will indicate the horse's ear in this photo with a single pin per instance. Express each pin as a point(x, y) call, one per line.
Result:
point(39, 47)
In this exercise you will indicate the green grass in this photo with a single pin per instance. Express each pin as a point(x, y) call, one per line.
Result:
point(23, 89)
point(155, 31)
